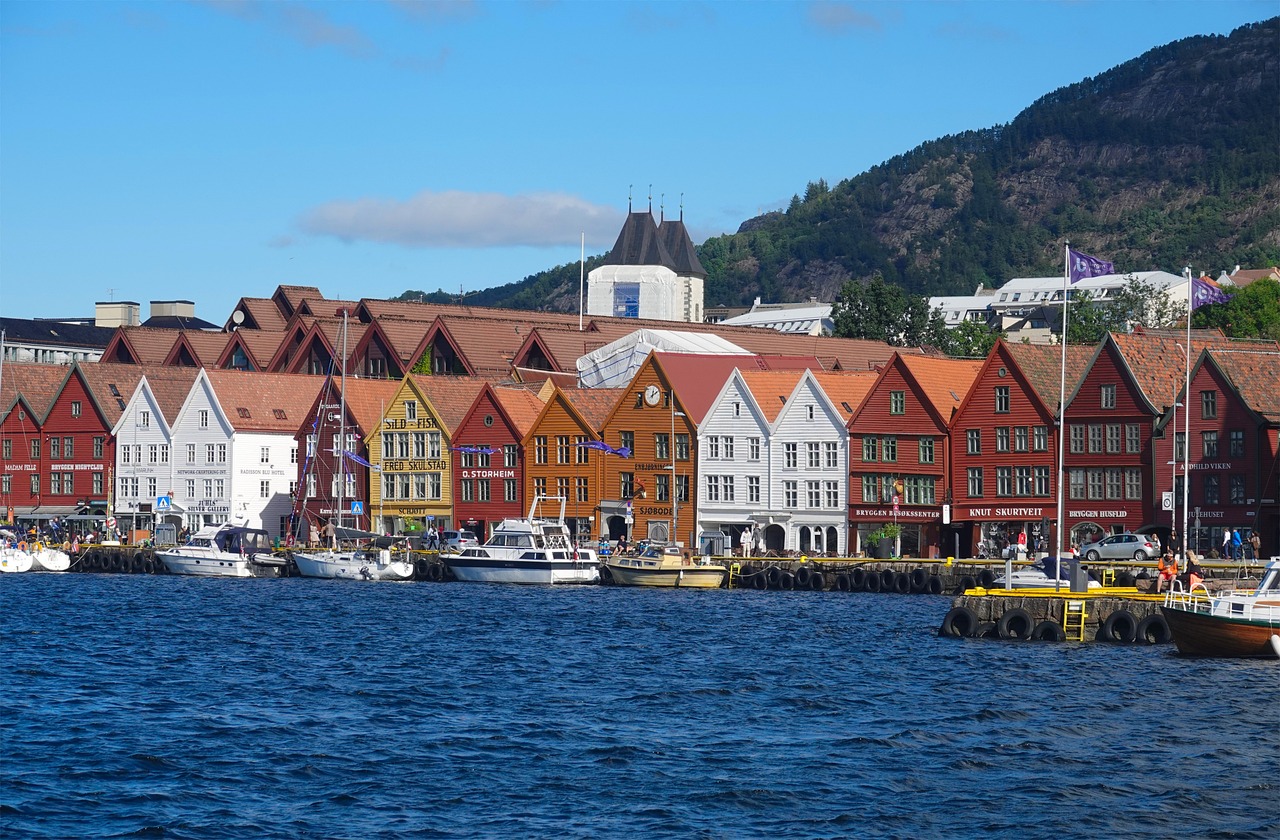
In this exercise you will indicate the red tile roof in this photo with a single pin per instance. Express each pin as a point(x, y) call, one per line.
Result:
point(111, 386)
point(36, 384)
point(944, 381)
point(1156, 359)
point(1255, 374)
point(594, 404)
point(770, 388)
point(1041, 364)
point(847, 389)
point(697, 378)
point(265, 402)
point(521, 405)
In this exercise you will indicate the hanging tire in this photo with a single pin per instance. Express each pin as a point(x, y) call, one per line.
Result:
point(872, 583)
point(1153, 630)
point(803, 576)
point(934, 586)
point(775, 577)
point(959, 623)
point(1048, 631)
point(760, 580)
point(817, 582)
point(842, 582)
point(919, 579)
point(148, 568)
point(858, 580)
point(1015, 624)
point(987, 577)
point(421, 568)
point(902, 583)
point(786, 581)
point(1126, 579)
point(435, 572)
point(986, 630)
point(886, 579)
point(1119, 628)
point(606, 575)
point(966, 583)
point(136, 566)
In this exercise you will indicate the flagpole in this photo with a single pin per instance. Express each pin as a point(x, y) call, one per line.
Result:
point(1062, 426)
point(1186, 419)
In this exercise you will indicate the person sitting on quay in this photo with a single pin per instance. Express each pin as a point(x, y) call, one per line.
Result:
point(1167, 566)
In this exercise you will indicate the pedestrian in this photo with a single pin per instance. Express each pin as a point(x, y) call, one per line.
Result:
point(1226, 544)
point(331, 534)
point(1237, 545)
point(1256, 544)
point(745, 540)
point(313, 534)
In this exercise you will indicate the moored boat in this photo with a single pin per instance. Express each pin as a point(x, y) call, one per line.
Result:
point(15, 560)
point(225, 550)
point(661, 565)
point(534, 550)
point(50, 559)
point(376, 561)
point(1232, 623)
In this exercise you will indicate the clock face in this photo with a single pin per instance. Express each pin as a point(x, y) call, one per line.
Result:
point(652, 395)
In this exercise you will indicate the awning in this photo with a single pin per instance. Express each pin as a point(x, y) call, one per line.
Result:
point(48, 512)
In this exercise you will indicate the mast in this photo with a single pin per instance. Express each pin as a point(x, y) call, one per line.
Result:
point(1062, 424)
point(339, 450)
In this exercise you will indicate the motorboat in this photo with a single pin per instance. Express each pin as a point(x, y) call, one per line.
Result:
point(224, 550)
point(1230, 623)
point(665, 565)
point(381, 558)
point(1048, 575)
point(535, 549)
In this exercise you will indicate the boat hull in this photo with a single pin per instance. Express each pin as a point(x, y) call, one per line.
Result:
point(536, 572)
point(15, 560)
point(51, 560)
point(207, 566)
point(683, 577)
point(1204, 634)
point(345, 565)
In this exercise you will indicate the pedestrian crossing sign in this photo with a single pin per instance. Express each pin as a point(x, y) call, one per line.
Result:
point(162, 504)
point(357, 508)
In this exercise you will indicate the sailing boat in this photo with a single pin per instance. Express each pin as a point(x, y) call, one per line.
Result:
point(375, 560)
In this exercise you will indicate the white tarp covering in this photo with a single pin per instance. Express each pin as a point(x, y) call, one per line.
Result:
point(616, 363)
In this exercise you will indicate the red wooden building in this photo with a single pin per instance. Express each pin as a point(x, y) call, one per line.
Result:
point(488, 457)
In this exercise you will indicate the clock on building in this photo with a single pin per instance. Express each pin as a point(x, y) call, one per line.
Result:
point(652, 394)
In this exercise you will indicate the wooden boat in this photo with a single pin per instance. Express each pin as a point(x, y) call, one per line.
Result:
point(665, 566)
point(1236, 623)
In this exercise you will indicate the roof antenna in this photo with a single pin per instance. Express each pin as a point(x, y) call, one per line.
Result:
point(662, 207)
point(651, 199)
point(681, 208)
point(629, 188)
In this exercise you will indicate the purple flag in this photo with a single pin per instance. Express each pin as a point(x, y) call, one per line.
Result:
point(476, 450)
point(1080, 266)
point(1206, 291)
point(604, 447)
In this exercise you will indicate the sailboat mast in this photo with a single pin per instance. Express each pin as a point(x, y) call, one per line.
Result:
point(339, 451)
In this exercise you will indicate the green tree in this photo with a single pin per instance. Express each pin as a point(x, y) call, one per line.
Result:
point(1252, 312)
point(969, 340)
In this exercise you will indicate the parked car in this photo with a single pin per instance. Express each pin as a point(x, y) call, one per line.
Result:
point(457, 540)
point(1124, 546)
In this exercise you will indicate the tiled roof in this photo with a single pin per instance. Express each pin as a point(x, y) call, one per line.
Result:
point(170, 386)
point(770, 388)
point(110, 385)
point(1255, 375)
point(37, 384)
point(521, 405)
point(945, 381)
point(413, 311)
point(846, 388)
point(206, 346)
point(1041, 364)
point(271, 402)
point(149, 346)
point(698, 378)
point(262, 312)
point(451, 396)
point(367, 400)
point(594, 404)
point(1156, 358)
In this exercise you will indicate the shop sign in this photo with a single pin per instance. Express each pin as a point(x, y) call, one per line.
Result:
point(1014, 513)
point(1097, 514)
point(885, 513)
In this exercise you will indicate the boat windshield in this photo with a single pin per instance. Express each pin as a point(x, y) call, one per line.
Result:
point(1270, 580)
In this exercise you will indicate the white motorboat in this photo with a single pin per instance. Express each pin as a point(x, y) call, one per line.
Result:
point(661, 565)
point(536, 549)
point(225, 550)
point(379, 560)
point(1042, 577)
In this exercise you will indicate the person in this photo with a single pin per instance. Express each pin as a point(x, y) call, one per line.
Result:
point(1237, 545)
point(313, 534)
point(760, 543)
point(1255, 543)
point(1167, 566)
point(331, 534)
point(1226, 544)
point(1195, 575)
point(1022, 545)
point(745, 540)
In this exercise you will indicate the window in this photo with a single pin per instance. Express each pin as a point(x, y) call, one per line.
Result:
point(790, 494)
point(1114, 432)
point(509, 454)
point(626, 300)
point(1042, 481)
point(897, 402)
point(55, 448)
point(35, 485)
point(540, 449)
point(682, 489)
point(1235, 443)
point(1108, 398)
point(790, 456)
point(871, 489)
point(682, 447)
point(467, 490)
point(926, 450)
point(814, 453)
point(222, 453)
point(6, 483)
point(35, 448)
point(7, 448)
point(869, 447)
point(1040, 438)
point(580, 447)
point(433, 486)
point(1002, 399)
point(919, 490)
point(626, 485)
point(753, 449)
point(1076, 482)
point(562, 487)
point(1212, 492)
point(203, 414)
point(1077, 439)
point(144, 419)
point(1004, 481)
point(55, 484)
point(1022, 475)
point(753, 488)
point(833, 494)
point(562, 449)
point(508, 490)
point(813, 494)
point(1021, 438)
point(810, 412)
point(628, 439)
point(264, 489)
point(1210, 439)
point(974, 441)
point(75, 408)
point(889, 448)
point(1235, 482)
point(540, 485)
point(832, 455)
point(153, 453)
point(975, 482)
point(1095, 484)
point(713, 488)
point(1179, 446)
point(1115, 484)
point(98, 484)
point(727, 481)
point(1209, 405)
point(1002, 438)
point(662, 446)
point(67, 449)
point(737, 409)
point(126, 455)
point(1132, 438)
point(411, 409)
point(1133, 483)
point(713, 446)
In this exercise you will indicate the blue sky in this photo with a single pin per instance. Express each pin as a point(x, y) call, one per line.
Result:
point(208, 151)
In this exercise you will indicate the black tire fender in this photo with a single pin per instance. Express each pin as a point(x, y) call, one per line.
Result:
point(1153, 630)
point(986, 577)
point(872, 583)
point(919, 579)
point(858, 580)
point(1015, 623)
point(967, 582)
point(1048, 631)
point(803, 576)
point(902, 583)
point(934, 586)
point(842, 582)
point(1120, 627)
point(959, 623)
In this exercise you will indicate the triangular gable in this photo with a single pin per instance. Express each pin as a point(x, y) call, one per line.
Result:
point(449, 361)
point(120, 350)
point(808, 384)
point(238, 355)
point(313, 353)
point(558, 398)
point(183, 354)
point(737, 385)
point(374, 344)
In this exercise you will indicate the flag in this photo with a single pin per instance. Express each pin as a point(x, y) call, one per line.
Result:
point(361, 461)
point(1080, 266)
point(1204, 290)
point(476, 450)
point(604, 447)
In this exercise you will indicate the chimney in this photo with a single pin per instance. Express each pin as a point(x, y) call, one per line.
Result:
point(173, 309)
point(116, 313)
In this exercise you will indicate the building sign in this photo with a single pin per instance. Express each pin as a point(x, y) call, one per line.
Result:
point(1015, 513)
point(886, 513)
point(79, 467)
point(1097, 514)
point(433, 465)
point(420, 423)
point(1210, 465)
point(488, 473)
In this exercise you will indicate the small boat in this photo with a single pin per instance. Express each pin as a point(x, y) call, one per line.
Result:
point(1231, 623)
point(15, 560)
point(375, 561)
point(1045, 576)
point(536, 549)
point(660, 565)
point(50, 559)
point(225, 550)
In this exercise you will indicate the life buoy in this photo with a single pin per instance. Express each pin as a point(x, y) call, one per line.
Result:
point(902, 583)
point(1048, 631)
point(959, 623)
point(1153, 630)
point(1014, 624)
point(1120, 627)
point(22, 545)
point(934, 586)
point(842, 582)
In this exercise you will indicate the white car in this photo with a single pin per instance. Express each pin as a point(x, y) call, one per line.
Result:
point(457, 540)
point(1120, 547)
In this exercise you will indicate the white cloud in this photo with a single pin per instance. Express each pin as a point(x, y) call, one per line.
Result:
point(840, 17)
point(465, 220)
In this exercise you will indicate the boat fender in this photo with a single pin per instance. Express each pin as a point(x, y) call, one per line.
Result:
point(1275, 645)
point(803, 577)
point(967, 582)
point(919, 579)
point(786, 581)
point(760, 580)
point(435, 573)
point(1014, 624)
point(138, 562)
point(817, 582)
point(22, 545)
point(858, 580)
point(1120, 627)
point(986, 630)
point(842, 582)
point(934, 586)
point(1154, 630)
point(987, 577)
point(420, 568)
point(872, 583)
point(902, 583)
point(1048, 631)
point(959, 623)
point(886, 579)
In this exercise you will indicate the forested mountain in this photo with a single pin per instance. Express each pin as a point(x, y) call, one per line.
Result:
point(1170, 159)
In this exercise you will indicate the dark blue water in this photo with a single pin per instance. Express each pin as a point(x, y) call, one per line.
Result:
point(179, 707)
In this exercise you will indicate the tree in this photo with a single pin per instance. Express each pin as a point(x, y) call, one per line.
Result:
point(969, 340)
point(881, 311)
point(1252, 312)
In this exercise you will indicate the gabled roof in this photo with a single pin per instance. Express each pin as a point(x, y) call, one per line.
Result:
point(140, 346)
point(1255, 374)
point(35, 385)
point(265, 402)
point(259, 314)
point(197, 349)
point(698, 378)
point(367, 400)
point(770, 389)
point(684, 257)
point(170, 387)
point(638, 243)
point(846, 389)
point(110, 386)
point(1041, 364)
point(944, 381)
point(289, 299)
point(451, 396)
point(521, 405)
point(594, 404)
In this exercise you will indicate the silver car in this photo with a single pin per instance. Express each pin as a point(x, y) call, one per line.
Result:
point(1120, 547)
point(457, 540)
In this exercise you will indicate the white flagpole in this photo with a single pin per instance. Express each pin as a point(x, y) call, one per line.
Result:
point(582, 273)
point(1186, 419)
point(1062, 426)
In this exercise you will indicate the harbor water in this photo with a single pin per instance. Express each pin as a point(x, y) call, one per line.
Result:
point(170, 707)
